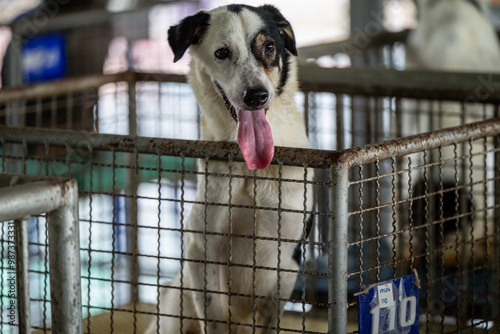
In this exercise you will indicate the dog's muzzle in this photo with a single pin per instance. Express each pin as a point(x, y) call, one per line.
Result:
point(255, 98)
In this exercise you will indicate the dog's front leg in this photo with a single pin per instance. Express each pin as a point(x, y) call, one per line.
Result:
point(205, 282)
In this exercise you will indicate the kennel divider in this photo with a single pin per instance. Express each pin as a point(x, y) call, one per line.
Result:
point(22, 196)
point(339, 188)
point(496, 306)
point(338, 162)
point(338, 257)
point(375, 86)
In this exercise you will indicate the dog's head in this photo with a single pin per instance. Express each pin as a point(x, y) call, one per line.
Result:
point(245, 51)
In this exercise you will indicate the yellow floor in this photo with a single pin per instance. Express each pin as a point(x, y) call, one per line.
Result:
point(123, 322)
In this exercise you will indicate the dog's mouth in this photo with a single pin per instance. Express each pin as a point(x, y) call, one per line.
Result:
point(253, 133)
point(229, 106)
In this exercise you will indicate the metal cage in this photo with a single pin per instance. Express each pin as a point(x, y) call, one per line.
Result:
point(427, 202)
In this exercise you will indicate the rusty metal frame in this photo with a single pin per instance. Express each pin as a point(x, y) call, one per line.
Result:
point(323, 159)
point(338, 162)
point(462, 87)
point(22, 196)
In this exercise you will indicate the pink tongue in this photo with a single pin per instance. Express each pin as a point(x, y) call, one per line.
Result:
point(255, 138)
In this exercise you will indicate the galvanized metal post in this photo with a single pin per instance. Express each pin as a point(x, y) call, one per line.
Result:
point(22, 196)
point(133, 188)
point(496, 240)
point(464, 279)
point(306, 111)
point(496, 227)
point(64, 258)
point(338, 249)
point(13, 78)
point(367, 18)
point(339, 128)
point(22, 264)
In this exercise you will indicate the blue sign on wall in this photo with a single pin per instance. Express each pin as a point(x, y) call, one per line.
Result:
point(44, 58)
point(389, 307)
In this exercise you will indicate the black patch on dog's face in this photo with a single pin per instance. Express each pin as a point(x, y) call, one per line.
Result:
point(277, 30)
point(273, 19)
point(258, 46)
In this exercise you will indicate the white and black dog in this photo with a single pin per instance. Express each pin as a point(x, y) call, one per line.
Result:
point(244, 76)
point(454, 35)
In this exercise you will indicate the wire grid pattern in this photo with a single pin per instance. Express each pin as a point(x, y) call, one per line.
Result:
point(127, 194)
point(39, 269)
point(118, 269)
point(432, 212)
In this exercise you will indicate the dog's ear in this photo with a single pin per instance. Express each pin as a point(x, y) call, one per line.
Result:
point(188, 32)
point(285, 28)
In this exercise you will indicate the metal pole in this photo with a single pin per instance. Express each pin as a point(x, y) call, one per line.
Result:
point(496, 231)
point(22, 196)
point(496, 228)
point(306, 112)
point(339, 128)
point(14, 117)
point(133, 188)
point(64, 257)
point(338, 249)
point(22, 264)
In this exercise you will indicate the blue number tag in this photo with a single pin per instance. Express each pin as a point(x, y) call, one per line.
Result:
point(390, 307)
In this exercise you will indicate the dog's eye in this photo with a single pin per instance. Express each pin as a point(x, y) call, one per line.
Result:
point(269, 48)
point(222, 53)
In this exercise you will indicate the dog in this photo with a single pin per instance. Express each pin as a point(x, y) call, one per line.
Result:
point(454, 36)
point(243, 73)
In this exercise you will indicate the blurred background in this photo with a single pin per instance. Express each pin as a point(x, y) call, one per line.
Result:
point(46, 41)
point(114, 35)
point(111, 36)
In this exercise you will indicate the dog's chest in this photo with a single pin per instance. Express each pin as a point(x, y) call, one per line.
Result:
point(255, 203)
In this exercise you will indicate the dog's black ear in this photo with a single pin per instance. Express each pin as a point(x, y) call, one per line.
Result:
point(285, 28)
point(188, 32)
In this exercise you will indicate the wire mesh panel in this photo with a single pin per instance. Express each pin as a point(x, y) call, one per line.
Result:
point(431, 210)
point(38, 275)
point(444, 228)
point(146, 104)
point(354, 107)
point(134, 240)
point(21, 197)
point(407, 215)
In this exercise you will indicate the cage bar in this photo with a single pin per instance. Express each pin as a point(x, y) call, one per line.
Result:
point(383, 94)
point(22, 196)
point(22, 274)
point(337, 249)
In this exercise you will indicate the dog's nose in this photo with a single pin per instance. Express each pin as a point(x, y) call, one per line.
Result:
point(255, 97)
